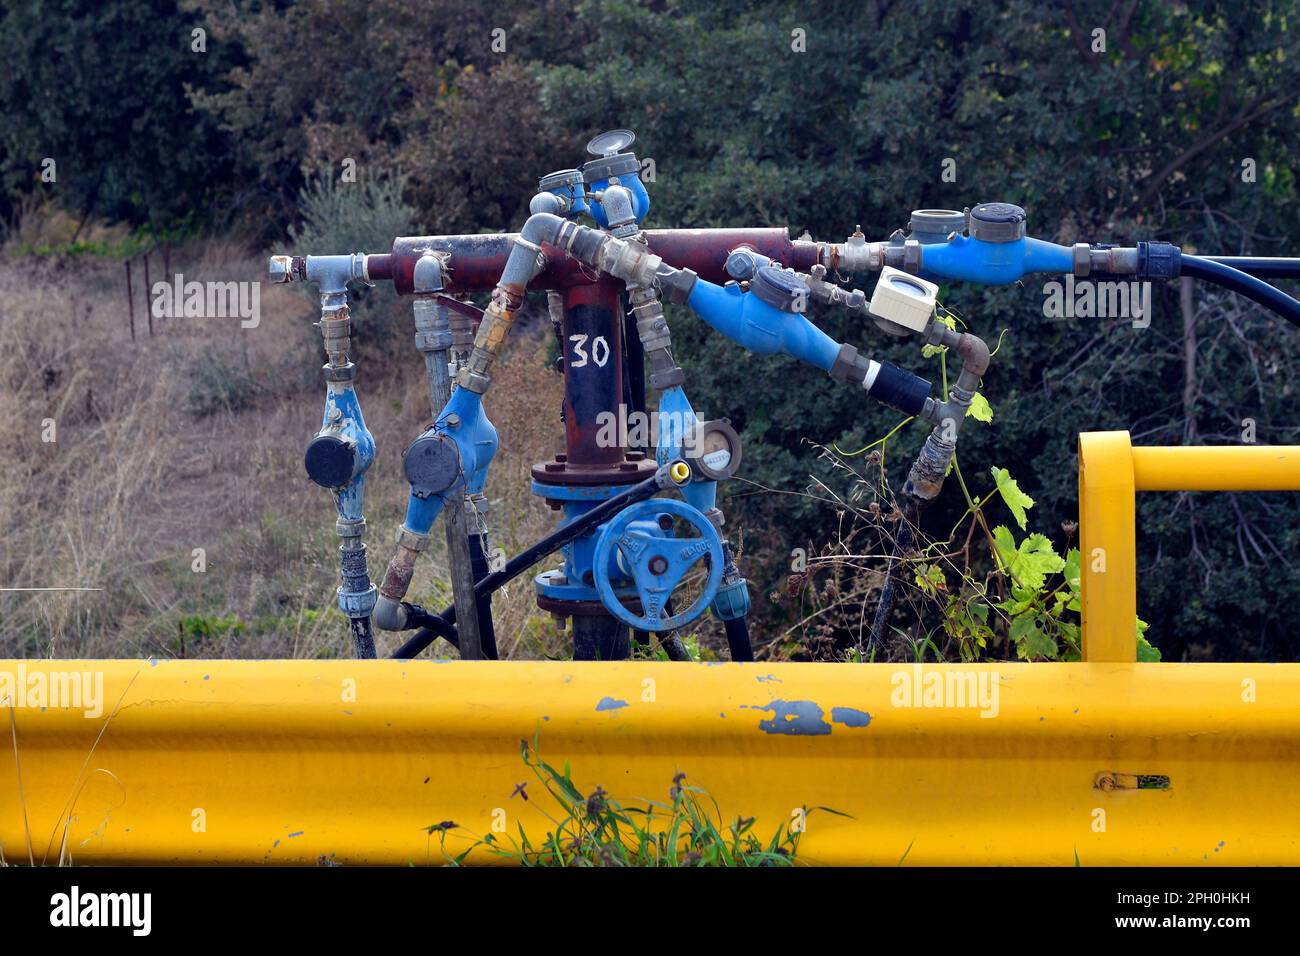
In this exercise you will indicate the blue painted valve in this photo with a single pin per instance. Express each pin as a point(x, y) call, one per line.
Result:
point(655, 563)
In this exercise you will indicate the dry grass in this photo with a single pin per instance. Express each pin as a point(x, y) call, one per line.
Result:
point(193, 438)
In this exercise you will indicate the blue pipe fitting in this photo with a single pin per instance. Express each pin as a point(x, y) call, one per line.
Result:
point(571, 189)
point(995, 252)
point(621, 169)
point(677, 423)
point(577, 574)
point(451, 457)
point(761, 327)
point(968, 259)
point(640, 199)
point(343, 448)
point(732, 601)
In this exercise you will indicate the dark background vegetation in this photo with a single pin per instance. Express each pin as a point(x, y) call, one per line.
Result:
point(1144, 140)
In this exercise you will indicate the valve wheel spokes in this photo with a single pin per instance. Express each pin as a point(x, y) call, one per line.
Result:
point(657, 564)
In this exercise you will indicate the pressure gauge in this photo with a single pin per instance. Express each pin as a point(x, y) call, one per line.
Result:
point(715, 454)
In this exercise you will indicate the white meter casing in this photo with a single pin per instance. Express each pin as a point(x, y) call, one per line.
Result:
point(903, 299)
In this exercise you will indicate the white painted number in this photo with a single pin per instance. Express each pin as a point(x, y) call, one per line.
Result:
point(599, 350)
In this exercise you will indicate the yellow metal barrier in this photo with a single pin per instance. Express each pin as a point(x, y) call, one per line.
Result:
point(1111, 470)
point(292, 761)
point(1101, 762)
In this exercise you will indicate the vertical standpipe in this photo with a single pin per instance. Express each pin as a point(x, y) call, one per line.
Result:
point(434, 338)
point(592, 336)
point(337, 458)
point(339, 455)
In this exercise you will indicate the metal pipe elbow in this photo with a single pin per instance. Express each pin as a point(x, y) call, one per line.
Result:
point(974, 352)
point(389, 614)
point(546, 202)
point(429, 274)
point(525, 259)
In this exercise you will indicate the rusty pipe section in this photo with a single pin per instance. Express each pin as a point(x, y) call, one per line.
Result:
point(390, 613)
point(629, 260)
point(925, 478)
point(476, 262)
point(522, 265)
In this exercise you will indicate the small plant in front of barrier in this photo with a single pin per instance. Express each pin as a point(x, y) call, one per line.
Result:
point(596, 829)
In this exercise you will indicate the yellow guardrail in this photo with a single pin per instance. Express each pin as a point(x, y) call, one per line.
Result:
point(294, 761)
point(352, 761)
point(1111, 471)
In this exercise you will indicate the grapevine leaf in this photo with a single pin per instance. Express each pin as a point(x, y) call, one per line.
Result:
point(1031, 640)
point(1005, 543)
point(1036, 559)
point(1147, 653)
point(980, 409)
point(1015, 499)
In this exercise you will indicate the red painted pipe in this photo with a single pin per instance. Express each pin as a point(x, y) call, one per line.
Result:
point(476, 261)
point(593, 370)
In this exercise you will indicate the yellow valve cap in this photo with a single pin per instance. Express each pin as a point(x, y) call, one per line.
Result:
point(679, 471)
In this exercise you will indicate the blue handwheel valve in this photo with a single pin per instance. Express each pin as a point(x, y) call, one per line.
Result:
point(656, 564)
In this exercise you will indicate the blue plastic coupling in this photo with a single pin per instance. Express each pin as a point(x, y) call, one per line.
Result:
point(732, 601)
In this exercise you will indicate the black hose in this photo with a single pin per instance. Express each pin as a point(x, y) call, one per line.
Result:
point(1263, 267)
point(363, 638)
point(674, 648)
point(1257, 290)
point(429, 631)
point(738, 639)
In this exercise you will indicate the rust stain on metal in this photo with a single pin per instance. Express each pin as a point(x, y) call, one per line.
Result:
point(1131, 781)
